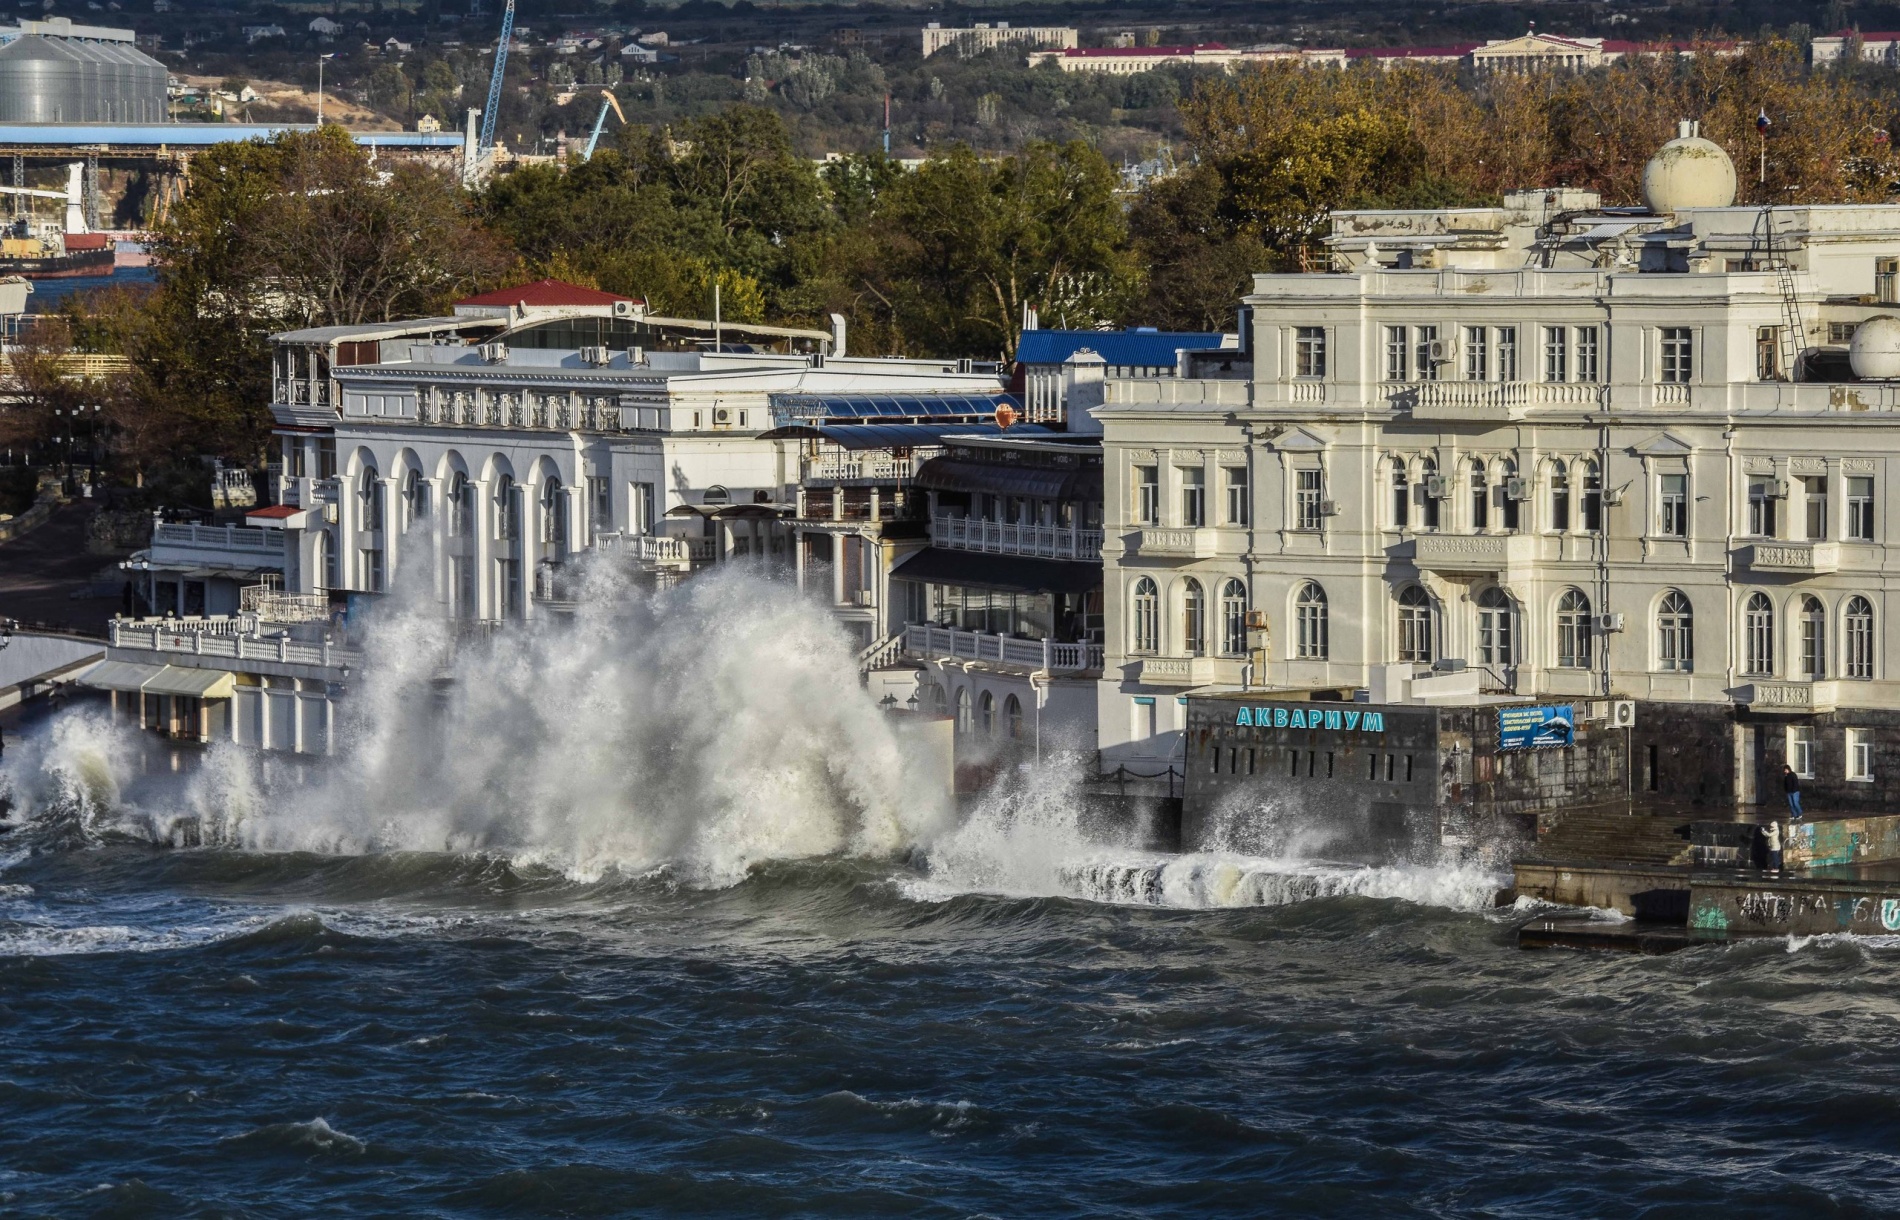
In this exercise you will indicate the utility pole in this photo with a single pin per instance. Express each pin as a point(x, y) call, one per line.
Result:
point(320, 61)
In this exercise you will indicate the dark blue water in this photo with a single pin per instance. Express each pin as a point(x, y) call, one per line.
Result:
point(47, 294)
point(218, 1033)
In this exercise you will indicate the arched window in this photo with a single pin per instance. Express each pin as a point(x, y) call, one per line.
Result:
point(507, 510)
point(1573, 630)
point(986, 714)
point(939, 702)
point(1559, 497)
point(461, 506)
point(1415, 625)
point(1857, 658)
point(1233, 618)
point(1401, 495)
point(1813, 639)
point(1193, 619)
point(415, 498)
point(717, 495)
point(1497, 643)
point(1428, 507)
point(1675, 634)
point(1507, 503)
point(1013, 718)
point(370, 490)
point(554, 515)
point(1758, 635)
point(1480, 497)
point(1310, 609)
point(963, 710)
point(1592, 497)
point(1145, 617)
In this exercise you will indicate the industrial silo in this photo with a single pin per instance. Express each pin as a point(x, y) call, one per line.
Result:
point(57, 72)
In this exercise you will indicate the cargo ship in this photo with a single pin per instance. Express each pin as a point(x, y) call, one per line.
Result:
point(42, 250)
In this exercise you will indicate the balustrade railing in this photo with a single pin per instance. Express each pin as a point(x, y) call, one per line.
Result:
point(190, 636)
point(220, 538)
point(1002, 538)
point(872, 465)
point(927, 641)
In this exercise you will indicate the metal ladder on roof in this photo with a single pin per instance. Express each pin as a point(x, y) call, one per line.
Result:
point(1792, 332)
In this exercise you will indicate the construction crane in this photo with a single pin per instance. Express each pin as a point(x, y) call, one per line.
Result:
point(494, 82)
point(71, 197)
point(607, 100)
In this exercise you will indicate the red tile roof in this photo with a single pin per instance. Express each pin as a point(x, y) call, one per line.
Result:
point(544, 293)
point(275, 511)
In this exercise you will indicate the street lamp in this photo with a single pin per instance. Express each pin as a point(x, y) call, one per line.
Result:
point(320, 60)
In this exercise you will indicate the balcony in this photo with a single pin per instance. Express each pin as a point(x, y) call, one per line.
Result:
point(234, 638)
point(1051, 656)
point(1488, 400)
point(1789, 696)
point(655, 552)
point(1175, 543)
point(868, 466)
point(1179, 671)
point(1001, 538)
point(230, 546)
point(270, 604)
point(1797, 558)
point(1472, 552)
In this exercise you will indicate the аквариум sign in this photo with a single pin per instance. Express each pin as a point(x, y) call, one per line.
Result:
point(1347, 720)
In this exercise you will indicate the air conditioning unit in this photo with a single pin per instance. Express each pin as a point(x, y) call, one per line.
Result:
point(1437, 486)
point(494, 353)
point(1439, 351)
point(1606, 623)
point(329, 514)
point(630, 309)
point(1780, 489)
point(1517, 489)
point(1256, 620)
point(1328, 508)
point(598, 357)
point(1623, 714)
point(1613, 496)
point(722, 417)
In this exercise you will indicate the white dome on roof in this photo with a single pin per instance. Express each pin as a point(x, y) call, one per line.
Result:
point(1874, 355)
point(1688, 172)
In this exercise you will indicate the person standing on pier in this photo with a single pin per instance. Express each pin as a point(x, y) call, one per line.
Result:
point(1771, 842)
point(1791, 784)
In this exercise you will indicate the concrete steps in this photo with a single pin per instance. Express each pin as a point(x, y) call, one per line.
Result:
point(1624, 838)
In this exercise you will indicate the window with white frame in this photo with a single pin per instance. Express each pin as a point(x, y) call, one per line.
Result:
point(1193, 495)
point(1860, 755)
point(1309, 351)
point(1675, 634)
point(1857, 653)
point(1310, 609)
point(1507, 353)
point(1672, 506)
point(1678, 355)
point(1573, 630)
point(1144, 620)
point(1801, 750)
point(1815, 495)
point(1497, 644)
point(1477, 354)
point(1416, 637)
point(1813, 639)
point(1559, 497)
point(1480, 497)
point(1424, 338)
point(1589, 361)
point(1194, 618)
point(1308, 490)
point(1758, 636)
point(1761, 506)
point(1233, 618)
point(1239, 506)
point(1401, 495)
point(1860, 508)
point(1556, 353)
point(1428, 507)
point(1592, 497)
point(1398, 362)
point(1148, 495)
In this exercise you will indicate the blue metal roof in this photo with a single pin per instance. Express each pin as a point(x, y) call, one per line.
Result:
point(1152, 348)
point(201, 135)
point(892, 406)
point(894, 436)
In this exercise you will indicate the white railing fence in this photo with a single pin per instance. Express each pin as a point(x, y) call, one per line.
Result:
point(220, 538)
point(176, 637)
point(1002, 538)
point(927, 641)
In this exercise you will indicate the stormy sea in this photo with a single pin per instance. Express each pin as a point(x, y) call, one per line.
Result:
point(654, 913)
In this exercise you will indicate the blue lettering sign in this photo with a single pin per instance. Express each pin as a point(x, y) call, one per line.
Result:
point(1352, 721)
point(1244, 716)
point(1332, 720)
point(1536, 728)
point(1298, 721)
point(1279, 717)
point(1375, 722)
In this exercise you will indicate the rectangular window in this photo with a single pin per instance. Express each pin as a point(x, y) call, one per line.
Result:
point(1887, 280)
point(1147, 495)
point(1307, 502)
point(600, 505)
point(1397, 358)
point(640, 518)
point(1673, 506)
point(1309, 347)
point(1193, 496)
point(1816, 496)
point(1840, 332)
point(1239, 507)
point(326, 457)
point(1801, 750)
point(1678, 355)
point(1424, 338)
point(1556, 354)
point(1767, 354)
point(294, 457)
point(1761, 506)
point(1507, 353)
point(1477, 354)
point(1860, 754)
point(1860, 508)
point(1589, 363)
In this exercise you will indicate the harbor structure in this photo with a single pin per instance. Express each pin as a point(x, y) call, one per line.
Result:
point(1545, 451)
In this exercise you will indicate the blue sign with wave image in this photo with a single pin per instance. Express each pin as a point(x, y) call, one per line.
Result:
point(1536, 728)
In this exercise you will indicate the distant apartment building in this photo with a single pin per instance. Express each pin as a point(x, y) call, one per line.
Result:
point(1876, 48)
point(1528, 53)
point(1131, 60)
point(987, 36)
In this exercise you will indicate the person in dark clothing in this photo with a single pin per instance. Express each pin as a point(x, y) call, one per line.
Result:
point(1791, 784)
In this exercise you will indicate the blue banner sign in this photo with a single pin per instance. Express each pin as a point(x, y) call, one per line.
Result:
point(1536, 728)
point(1297, 717)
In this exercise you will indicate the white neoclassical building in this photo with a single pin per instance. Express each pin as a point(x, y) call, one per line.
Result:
point(1546, 449)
